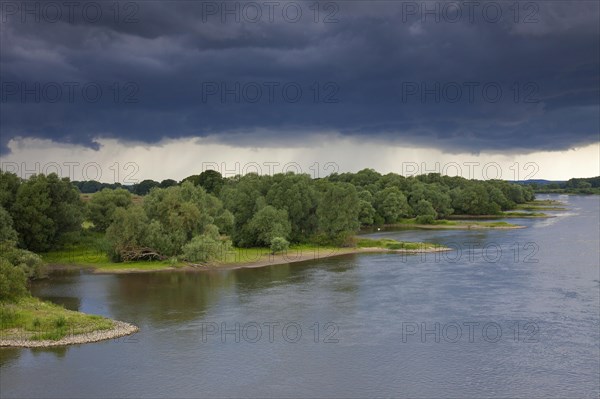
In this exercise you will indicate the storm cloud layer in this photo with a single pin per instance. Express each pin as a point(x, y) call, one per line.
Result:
point(460, 76)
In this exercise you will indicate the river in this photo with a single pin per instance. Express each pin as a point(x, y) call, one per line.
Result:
point(507, 313)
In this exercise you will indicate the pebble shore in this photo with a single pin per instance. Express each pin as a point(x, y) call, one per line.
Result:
point(120, 329)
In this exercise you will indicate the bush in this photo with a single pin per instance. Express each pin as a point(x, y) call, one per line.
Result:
point(279, 244)
point(103, 204)
point(13, 281)
point(205, 248)
point(31, 264)
point(425, 219)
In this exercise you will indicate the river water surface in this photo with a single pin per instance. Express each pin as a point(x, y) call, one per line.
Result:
point(507, 313)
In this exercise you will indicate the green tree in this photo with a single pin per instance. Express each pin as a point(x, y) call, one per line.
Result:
point(435, 193)
point(103, 204)
point(425, 212)
point(279, 244)
point(47, 212)
point(206, 247)
point(167, 183)
point(474, 199)
point(391, 204)
point(366, 214)
point(7, 231)
point(267, 224)
point(176, 215)
point(337, 212)
point(144, 187)
point(171, 218)
point(128, 232)
point(295, 194)
point(212, 181)
point(9, 185)
point(243, 197)
point(366, 178)
point(32, 216)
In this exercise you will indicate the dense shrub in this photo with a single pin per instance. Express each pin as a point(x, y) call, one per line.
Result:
point(13, 281)
point(279, 244)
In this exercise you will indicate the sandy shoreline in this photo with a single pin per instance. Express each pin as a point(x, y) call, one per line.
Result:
point(280, 259)
point(465, 226)
point(120, 329)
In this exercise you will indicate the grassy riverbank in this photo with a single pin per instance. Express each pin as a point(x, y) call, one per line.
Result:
point(454, 224)
point(89, 254)
point(34, 320)
point(542, 205)
point(503, 215)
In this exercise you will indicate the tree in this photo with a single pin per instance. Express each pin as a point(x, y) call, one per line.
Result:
point(127, 232)
point(391, 204)
point(366, 178)
point(144, 187)
point(211, 181)
point(9, 185)
point(267, 224)
point(435, 193)
point(225, 222)
point(298, 197)
point(425, 212)
point(176, 216)
point(168, 220)
point(90, 186)
point(167, 183)
point(244, 197)
point(338, 212)
point(103, 204)
point(7, 231)
point(31, 208)
point(206, 247)
point(45, 211)
point(366, 214)
point(16, 266)
point(474, 199)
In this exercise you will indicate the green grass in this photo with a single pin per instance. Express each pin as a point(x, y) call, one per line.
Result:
point(533, 208)
point(392, 244)
point(496, 224)
point(90, 252)
point(542, 205)
point(246, 255)
point(524, 214)
point(32, 319)
point(455, 223)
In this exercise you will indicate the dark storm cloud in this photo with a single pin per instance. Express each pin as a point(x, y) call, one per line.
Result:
point(167, 70)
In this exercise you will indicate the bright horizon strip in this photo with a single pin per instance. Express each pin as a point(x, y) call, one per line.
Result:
point(128, 163)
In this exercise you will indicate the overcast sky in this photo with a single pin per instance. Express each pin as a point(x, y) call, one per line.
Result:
point(170, 85)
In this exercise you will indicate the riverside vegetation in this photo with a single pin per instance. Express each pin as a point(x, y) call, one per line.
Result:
point(207, 219)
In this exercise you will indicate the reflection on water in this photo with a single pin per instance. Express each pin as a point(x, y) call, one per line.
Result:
point(528, 320)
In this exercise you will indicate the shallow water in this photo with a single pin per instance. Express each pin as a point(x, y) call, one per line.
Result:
point(508, 313)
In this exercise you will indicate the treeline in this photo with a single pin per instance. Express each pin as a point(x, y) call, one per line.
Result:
point(195, 219)
point(590, 185)
point(37, 215)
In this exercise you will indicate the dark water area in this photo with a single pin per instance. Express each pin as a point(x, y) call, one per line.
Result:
point(507, 313)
